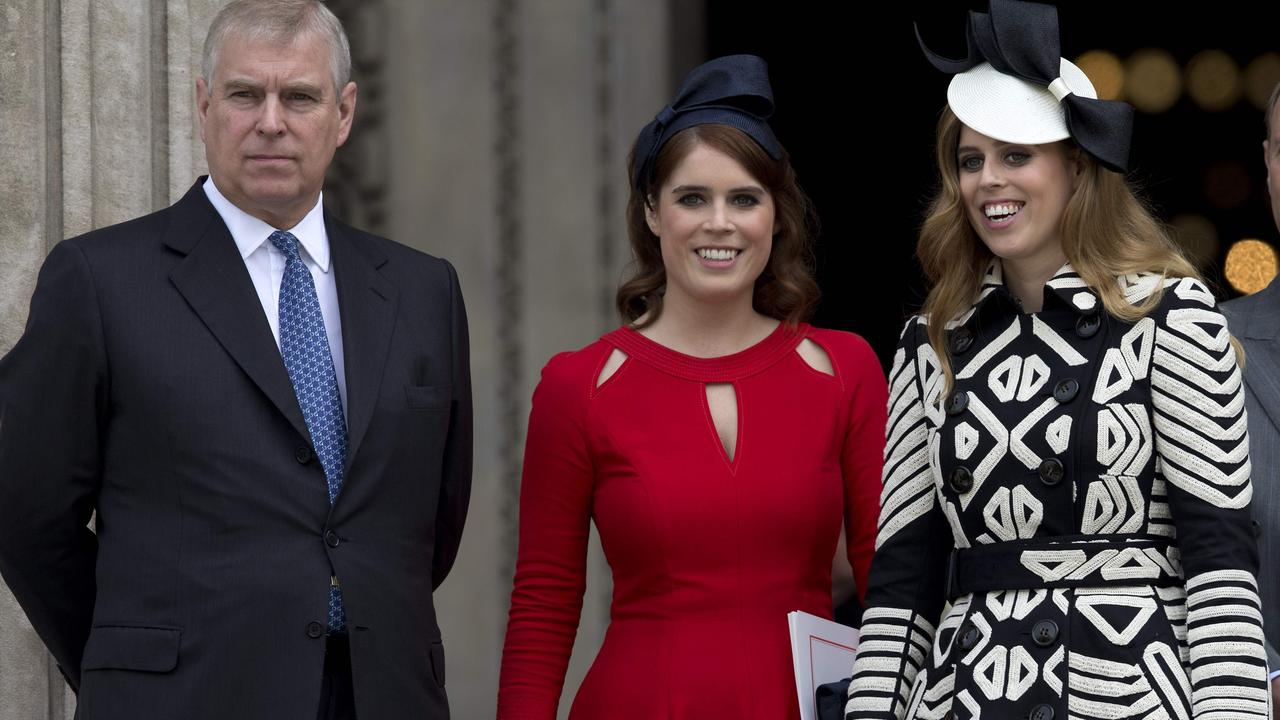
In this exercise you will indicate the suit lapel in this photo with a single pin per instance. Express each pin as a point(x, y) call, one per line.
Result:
point(215, 283)
point(1258, 327)
point(367, 302)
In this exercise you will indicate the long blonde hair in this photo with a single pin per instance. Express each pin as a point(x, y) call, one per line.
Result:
point(1106, 232)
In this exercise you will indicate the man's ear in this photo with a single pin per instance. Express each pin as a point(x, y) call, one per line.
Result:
point(346, 111)
point(202, 103)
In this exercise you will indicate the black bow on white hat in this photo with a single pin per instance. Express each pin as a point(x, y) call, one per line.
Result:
point(1014, 85)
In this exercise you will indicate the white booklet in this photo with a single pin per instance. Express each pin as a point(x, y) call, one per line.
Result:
point(822, 652)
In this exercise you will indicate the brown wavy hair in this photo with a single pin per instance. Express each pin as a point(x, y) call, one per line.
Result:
point(785, 290)
point(1106, 231)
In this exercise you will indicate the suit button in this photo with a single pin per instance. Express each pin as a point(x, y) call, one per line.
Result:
point(303, 454)
point(961, 479)
point(314, 630)
point(331, 539)
point(1086, 327)
point(948, 715)
point(958, 403)
point(1066, 390)
point(1041, 712)
point(1051, 471)
point(969, 636)
point(1257, 529)
point(961, 340)
point(1044, 633)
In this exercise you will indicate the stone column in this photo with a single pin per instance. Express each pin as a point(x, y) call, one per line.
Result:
point(508, 123)
point(98, 119)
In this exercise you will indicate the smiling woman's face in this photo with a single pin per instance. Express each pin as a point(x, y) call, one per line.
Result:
point(1015, 195)
point(715, 223)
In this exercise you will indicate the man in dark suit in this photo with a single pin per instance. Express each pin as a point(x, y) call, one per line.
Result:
point(269, 411)
point(1255, 321)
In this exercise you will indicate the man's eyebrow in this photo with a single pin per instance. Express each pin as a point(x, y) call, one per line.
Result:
point(241, 84)
point(305, 87)
point(235, 84)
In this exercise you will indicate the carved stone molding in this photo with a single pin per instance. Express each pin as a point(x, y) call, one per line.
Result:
point(507, 193)
point(356, 184)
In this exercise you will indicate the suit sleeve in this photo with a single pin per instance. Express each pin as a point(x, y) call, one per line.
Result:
point(862, 459)
point(455, 477)
point(905, 591)
point(555, 515)
point(53, 405)
point(1202, 447)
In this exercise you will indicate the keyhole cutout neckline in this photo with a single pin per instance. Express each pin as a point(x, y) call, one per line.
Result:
point(722, 406)
point(721, 400)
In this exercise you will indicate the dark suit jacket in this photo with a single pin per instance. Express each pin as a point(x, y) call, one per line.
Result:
point(1255, 321)
point(147, 387)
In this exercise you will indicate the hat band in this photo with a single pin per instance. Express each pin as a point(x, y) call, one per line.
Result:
point(1059, 89)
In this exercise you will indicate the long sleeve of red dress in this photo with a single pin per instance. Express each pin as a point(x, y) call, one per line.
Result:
point(862, 458)
point(555, 514)
point(708, 552)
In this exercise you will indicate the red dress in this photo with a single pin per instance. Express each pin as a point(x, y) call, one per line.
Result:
point(708, 553)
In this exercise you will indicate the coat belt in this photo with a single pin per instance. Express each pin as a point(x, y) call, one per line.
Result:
point(1064, 561)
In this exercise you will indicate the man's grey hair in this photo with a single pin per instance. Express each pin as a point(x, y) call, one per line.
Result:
point(1271, 108)
point(281, 21)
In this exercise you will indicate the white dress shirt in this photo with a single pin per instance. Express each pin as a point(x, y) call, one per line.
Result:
point(266, 268)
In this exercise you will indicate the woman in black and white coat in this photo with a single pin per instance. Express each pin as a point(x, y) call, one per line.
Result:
point(1065, 525)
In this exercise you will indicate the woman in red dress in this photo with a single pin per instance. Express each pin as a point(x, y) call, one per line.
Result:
point(719, 443)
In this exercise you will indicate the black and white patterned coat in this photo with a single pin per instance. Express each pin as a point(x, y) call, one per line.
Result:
point(1068, 535)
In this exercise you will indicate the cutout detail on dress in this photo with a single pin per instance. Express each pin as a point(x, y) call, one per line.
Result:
point(815, 357)
point(722, 401)
point(611, 366)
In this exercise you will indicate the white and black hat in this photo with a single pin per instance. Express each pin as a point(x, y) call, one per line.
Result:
point(1015, 87)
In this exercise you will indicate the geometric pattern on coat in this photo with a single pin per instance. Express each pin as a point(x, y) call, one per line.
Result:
point(1106, 463)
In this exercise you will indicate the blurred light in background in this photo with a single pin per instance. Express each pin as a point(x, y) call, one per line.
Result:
point(1213, 80)
point(1197, 237)
point(1152, 81)
point(1251, 265)
point(1227, 185)
point(1259, 77)
point(1105, 71)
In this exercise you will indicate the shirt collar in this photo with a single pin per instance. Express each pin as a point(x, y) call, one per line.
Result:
point(249, 233)
point(1066, 287)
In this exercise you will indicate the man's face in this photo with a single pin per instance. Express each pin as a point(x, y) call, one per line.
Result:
point(270, 120)
point(1271, 150)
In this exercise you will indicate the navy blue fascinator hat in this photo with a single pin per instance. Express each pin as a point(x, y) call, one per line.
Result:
point(1014, 86)
point(732, 90)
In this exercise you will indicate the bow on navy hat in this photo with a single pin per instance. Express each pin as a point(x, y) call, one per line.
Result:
point(1020, 39)
point(732, 90)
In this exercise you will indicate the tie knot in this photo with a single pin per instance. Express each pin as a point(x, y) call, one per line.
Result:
point(286, 243)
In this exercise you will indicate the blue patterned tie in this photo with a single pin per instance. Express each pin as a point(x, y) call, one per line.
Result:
point(305, 348)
